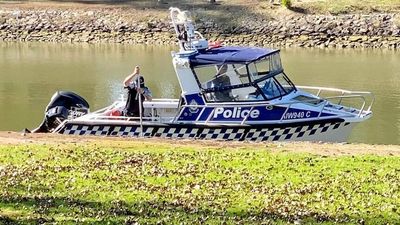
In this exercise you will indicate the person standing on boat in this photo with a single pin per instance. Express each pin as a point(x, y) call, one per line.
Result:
point(137, 93)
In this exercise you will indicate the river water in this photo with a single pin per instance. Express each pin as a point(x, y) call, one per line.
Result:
point(31, 72)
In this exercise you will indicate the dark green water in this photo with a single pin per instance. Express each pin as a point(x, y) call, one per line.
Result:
point(31, 72)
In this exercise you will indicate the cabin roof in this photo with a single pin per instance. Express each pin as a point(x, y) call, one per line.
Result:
point(230, 55)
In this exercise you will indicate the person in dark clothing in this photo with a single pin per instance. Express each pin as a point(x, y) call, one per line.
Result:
point(137, 93)
point(222, 80)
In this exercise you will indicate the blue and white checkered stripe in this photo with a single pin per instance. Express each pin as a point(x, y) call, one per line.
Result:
point(281, 134)
point(251, 134)
point(87, 130)
point(222, 133)
point(172, 132)
point(131, 131)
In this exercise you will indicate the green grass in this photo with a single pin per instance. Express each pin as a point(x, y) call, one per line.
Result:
point(127, 182)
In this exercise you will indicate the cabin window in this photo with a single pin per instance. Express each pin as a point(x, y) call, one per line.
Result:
point(266, 66)
point(253, 71)
point(225, 83)
point(238, 74)
point(275, 62)
point(231, 95)
point(262, 67)
point(205, 74)
point(221, 75)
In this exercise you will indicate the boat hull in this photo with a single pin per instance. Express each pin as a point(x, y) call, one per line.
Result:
point(325, 130)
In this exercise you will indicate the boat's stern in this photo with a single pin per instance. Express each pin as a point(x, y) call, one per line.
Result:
point(64, 105)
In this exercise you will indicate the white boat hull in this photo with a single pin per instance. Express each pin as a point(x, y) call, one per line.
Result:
point(327, 131)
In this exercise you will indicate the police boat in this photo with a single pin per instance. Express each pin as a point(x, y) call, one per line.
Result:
point(227, 93)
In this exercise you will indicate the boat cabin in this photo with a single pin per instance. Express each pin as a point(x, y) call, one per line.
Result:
point(237, 74)
point(232, 74)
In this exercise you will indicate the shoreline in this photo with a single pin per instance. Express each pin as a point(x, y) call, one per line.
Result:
point(314, 148)
point(123, 25)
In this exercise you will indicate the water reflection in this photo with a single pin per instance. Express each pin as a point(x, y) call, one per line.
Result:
point(31, 72)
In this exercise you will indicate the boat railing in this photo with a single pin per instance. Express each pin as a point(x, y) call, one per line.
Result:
point(365, 95)
point(366, 98)
point(325, 103)
point(345, 94)
point(98, 115)
point(123, 118)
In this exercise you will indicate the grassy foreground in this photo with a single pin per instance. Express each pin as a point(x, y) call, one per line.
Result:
point(149, 182)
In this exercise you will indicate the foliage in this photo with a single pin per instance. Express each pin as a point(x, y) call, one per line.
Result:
point(129, 182)
point(287, 3)
point(349, 6)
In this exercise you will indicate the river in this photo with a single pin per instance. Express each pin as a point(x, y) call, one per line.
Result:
point(31, 72)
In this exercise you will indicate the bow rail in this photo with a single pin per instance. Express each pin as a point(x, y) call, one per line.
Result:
point(365, 98)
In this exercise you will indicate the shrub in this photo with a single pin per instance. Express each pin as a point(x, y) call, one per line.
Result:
point(287, 3)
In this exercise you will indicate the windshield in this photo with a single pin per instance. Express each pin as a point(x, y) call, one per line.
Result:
point(275, 87)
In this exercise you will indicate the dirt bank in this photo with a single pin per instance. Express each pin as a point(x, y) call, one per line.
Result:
point(328, 149)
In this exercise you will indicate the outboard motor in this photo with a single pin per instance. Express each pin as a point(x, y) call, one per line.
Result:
point(63, 105)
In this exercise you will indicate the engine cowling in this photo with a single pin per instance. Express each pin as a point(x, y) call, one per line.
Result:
point(63, 105)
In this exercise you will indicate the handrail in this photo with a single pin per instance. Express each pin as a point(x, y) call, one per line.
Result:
point(284, 113)
point(344, 94)
point(333, 89)
point(247, 116)
point(209, 117)
point(361, 109)
point(320, 89)
point(322, 109)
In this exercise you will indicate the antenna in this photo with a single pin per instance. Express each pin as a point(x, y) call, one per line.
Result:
point(189, 38)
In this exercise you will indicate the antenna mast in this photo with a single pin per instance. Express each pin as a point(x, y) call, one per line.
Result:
point(189, 38)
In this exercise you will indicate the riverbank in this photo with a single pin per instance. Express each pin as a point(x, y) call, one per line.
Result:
point(322, 149)
point(66, 179)
point(268, 26)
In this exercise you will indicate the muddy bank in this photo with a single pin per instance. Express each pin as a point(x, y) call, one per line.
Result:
point(328, 149)
point(110, 25)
